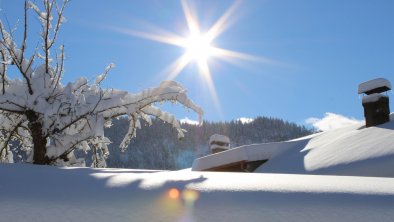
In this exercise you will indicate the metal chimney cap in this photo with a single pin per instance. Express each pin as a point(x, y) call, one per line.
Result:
point(377, 85)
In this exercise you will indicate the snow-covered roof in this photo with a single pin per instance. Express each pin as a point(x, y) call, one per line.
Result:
point(372, 98)
point(374, 86)
point(219, 138)
point(45, 194)
point(353, 150)
point(244, 153)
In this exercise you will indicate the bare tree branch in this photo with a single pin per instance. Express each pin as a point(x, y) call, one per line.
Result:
point(14, 57)
point(48, 9)
point(59, 21)
point(9, 137)
point(59, 73)
point(3, 69)
point(23, 48)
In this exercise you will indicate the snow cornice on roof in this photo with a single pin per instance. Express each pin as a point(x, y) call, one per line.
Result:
point(241, 156)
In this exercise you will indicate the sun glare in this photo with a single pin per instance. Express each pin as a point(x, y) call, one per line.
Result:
point(198, 47)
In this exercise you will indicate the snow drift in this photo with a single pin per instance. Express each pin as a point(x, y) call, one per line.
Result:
point(43, 193)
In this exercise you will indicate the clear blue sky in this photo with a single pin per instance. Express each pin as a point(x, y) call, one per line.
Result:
point(322, 49)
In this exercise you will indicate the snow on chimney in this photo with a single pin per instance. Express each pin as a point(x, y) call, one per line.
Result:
point(219, 143)
point(376, 105)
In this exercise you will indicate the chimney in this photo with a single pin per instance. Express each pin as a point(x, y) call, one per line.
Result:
point(219, 143)
point(376, 105)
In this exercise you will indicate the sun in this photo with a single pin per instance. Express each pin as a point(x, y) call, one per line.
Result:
point(198, 47)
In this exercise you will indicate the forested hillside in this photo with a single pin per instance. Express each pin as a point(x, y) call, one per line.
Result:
point(157, 146)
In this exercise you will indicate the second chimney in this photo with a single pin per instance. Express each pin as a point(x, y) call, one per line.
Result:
point(376, 105)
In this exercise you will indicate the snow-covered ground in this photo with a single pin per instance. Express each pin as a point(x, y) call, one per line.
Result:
point(43, 193)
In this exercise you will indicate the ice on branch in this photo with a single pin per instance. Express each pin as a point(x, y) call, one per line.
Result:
point(51, 120)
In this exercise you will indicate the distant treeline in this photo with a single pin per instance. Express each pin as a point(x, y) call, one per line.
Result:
point(157, 146)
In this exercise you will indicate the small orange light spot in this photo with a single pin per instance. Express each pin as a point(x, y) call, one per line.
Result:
point(173, 193)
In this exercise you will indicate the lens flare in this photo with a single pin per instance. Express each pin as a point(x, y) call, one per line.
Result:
point(173, 193)
point(190, 196)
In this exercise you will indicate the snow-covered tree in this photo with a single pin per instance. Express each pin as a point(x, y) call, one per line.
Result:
point(50, 120)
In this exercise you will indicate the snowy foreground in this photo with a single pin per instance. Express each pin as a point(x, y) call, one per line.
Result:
point(43, 193)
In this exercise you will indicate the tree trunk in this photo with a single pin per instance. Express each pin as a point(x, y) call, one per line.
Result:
point(39, 140)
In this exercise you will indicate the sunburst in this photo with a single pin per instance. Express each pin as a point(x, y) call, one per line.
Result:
point(199, 46)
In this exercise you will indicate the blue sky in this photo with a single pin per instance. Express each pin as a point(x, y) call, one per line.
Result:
point(321, 51)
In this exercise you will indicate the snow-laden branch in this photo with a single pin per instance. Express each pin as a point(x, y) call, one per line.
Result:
point(52, 120)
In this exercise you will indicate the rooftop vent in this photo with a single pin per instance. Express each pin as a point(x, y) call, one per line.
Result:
point(376, 105)
point(219, 143)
